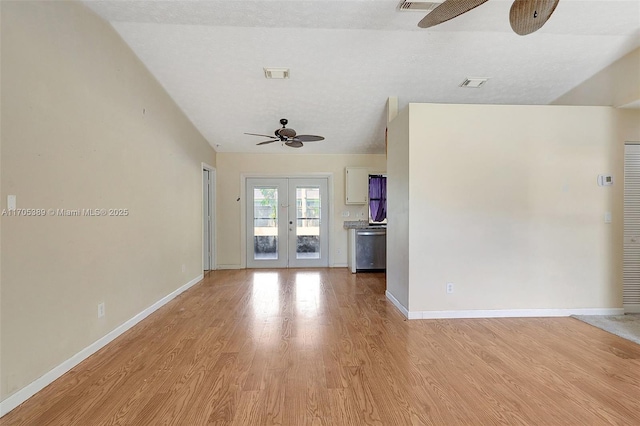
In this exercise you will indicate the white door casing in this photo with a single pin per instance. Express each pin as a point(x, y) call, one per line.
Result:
point(208, 218)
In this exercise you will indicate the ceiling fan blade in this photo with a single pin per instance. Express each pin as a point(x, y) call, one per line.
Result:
point(256, 134)
point(286, 132)
point(294, 143)
point(266, 142)
point(448, 10)
point(528, 16)
point(309, 138)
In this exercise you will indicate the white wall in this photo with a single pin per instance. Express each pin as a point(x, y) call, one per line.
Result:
point(85, 125)
point(617, 85)
point(230, 168)
point(398, 208)
point(504, 204)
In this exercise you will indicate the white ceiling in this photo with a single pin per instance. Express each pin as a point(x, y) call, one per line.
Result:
point(347, 57)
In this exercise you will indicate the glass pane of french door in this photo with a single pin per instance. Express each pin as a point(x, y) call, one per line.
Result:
point(307, 223)
point(265, 223)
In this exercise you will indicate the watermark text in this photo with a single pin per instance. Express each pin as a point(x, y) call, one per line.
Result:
point(58, 212)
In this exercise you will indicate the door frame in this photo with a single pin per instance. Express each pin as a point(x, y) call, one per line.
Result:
point(243, 207)
point(212, 207)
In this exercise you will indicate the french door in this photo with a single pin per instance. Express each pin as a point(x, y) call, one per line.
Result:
point(287, 223)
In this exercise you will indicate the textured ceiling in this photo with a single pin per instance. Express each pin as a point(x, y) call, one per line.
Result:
point(347, 57)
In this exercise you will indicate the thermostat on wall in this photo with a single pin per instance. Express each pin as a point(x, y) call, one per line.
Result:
point(605, 180)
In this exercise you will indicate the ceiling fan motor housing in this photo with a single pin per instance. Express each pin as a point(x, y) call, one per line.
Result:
point(285, 133)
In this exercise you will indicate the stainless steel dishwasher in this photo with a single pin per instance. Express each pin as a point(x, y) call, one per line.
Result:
point(371, 249)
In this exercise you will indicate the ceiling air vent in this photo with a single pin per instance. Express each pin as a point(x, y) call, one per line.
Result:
point(474, 83)
point(419, 6)
point(276, 72)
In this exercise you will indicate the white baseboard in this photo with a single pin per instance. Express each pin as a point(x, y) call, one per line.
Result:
point(513, 313)
point(397, 304)
point(339, 265)
point(230, 267)
point(632, 309)
point(31, 389)
point(502, 313)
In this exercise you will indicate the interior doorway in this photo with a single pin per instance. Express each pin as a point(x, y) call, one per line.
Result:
point(287, 222)
point(208, 217)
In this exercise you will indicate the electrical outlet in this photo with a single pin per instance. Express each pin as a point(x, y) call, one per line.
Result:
point(339, 251)
point(449, 288)
point(101, 310)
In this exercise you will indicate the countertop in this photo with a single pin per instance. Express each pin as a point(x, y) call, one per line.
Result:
point(361, 224)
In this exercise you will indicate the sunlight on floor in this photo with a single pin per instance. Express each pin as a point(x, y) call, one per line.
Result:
point(265, 297)
point(307, 293)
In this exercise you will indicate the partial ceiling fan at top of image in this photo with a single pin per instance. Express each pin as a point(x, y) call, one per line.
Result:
point(525, 16)
point(288, 136)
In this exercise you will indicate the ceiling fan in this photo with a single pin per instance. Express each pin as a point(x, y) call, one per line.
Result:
point(525, 16)
point(288, 136)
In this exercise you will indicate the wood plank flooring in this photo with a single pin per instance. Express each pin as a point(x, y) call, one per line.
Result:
point(325, 347)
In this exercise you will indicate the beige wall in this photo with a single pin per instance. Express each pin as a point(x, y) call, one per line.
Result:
point(85, 125)
point(398, 208)
point(2, 204)
point(231, 166)
point(508, 206)
point(617, 85)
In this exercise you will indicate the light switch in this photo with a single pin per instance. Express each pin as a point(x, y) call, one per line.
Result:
point(607, 217)
point(11, 202)
point(346, 213)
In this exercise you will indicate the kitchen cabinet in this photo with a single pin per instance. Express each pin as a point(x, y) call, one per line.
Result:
point(357, 185)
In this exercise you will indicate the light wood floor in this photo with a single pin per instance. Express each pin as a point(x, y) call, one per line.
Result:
point(317, 347)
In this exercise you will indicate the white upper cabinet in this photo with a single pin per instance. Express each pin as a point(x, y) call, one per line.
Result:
point(357, 185)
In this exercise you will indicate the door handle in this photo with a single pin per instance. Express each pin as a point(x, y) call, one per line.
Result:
point(368, 233)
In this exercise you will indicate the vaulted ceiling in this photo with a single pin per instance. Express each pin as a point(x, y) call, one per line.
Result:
point(347, 57)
